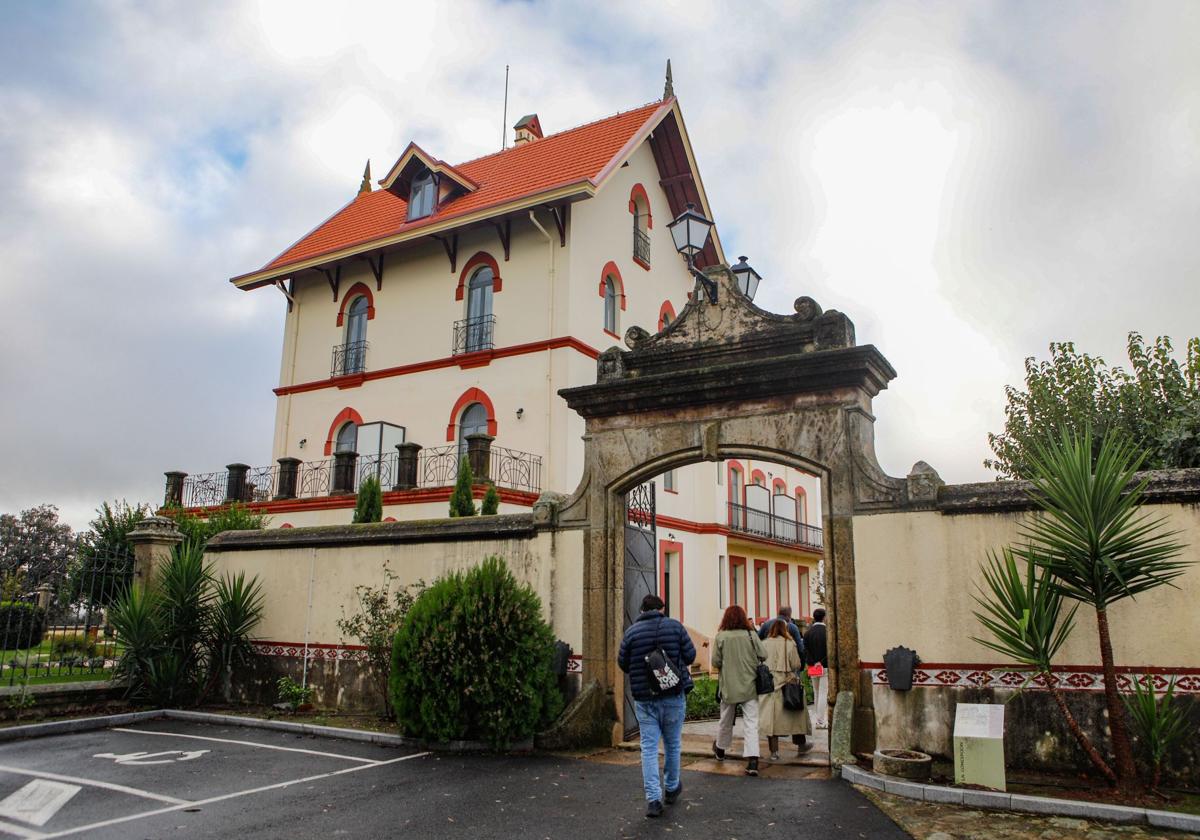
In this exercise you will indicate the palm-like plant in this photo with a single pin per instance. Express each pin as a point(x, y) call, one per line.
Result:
point(1024, 616)
point(1098, 545)
point(1159, 721)
point(237, 610)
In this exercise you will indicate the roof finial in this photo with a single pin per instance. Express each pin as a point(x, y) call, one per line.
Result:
point(668, 88)
point(365, 186)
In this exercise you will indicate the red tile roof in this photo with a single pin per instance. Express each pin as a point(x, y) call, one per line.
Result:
point(571, 156)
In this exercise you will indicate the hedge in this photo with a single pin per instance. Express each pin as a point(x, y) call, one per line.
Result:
point(22, 625)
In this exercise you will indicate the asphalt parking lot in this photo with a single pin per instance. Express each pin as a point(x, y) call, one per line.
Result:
point(169, 778)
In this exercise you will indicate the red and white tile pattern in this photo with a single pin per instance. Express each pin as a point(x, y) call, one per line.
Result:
point(1187, 680)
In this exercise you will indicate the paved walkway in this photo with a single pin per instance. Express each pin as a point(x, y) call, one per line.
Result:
point(698, 737)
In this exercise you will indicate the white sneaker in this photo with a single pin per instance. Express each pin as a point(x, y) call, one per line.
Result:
point(821, 725)
point(774, 756)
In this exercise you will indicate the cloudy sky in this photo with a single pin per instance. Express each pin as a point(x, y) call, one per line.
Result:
point(968, 181)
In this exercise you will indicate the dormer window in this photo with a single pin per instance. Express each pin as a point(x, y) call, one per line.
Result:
point(421, 197)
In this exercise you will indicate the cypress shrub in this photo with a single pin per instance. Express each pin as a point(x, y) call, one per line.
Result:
point(491, 501)
point(22, 625)
point(462, 503)
point(473, 660)
point(369, 507)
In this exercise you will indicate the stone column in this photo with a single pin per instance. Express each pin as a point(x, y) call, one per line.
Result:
point(174, 494)
point(479, 456)
point(152, 539)
point(289, 473)
point(235, 482)
point(44, 593)
point(345, 466)
point(406, 465)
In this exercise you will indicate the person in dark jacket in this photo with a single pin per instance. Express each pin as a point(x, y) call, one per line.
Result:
point(660, 711)
point(785, 615)
point(817, 657)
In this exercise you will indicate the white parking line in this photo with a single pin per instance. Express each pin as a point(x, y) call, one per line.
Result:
point(246, 744)
point(19, 831)
point(279, 785)
point(144, 794)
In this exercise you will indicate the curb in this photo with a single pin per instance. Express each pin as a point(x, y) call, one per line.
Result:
point(996, 800)
point(64, 727)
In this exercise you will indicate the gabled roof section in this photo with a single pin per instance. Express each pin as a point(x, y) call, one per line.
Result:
point(414, 156)
point(569, 165)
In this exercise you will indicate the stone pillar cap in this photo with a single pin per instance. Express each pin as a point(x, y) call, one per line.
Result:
point(156, 529)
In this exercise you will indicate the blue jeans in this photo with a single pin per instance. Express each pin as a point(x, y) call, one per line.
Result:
point(660, 719)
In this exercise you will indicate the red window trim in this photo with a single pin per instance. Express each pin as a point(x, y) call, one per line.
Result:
point(347, 414)
point(736, 562)
point(805, 605)
point(665, 546)
point(481, 258)
point(762, 564)
point(801, 495)
point(357, 290)
point(786, 598)
point(639, 190)
point(758, 477)
point(471, 395)
point(610, 270)
point(665, 309)
point(731, 466)
point(776, 485)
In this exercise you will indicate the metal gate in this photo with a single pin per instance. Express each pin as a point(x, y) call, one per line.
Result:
point(641, 579)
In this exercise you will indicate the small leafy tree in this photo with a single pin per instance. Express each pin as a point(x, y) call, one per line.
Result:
point(473, 659)
point(235, 517)
point(491, 501)
point(369, 506)
point(380, 613)
point(103, 567)
point(462, 502)
point(1097, 544)
point(1160, 724)
point(35, 546)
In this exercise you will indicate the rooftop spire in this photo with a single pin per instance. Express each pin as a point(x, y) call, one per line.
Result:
point(668, 88)
point(365, 186)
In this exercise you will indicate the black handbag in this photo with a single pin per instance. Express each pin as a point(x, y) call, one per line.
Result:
point(793, 696)
point(664, 675)
point(764, 680)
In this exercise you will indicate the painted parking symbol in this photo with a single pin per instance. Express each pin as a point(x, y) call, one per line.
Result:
point(142, 758)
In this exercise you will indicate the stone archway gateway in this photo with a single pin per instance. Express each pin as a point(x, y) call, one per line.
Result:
point(728, 380)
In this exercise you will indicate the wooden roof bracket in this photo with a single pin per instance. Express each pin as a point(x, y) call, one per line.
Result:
point(376, 269)
point(289, 291)
point(334, 278)
point(504, 231)
point(560, 214)
point(450, 244)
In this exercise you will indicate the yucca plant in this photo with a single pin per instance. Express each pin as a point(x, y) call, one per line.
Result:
point(1024, 616)
point(135, 618)
point(237, 610)
point(1098, 545)
point(1160, 723)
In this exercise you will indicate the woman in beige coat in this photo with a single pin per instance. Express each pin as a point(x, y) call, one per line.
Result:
point(774, 719)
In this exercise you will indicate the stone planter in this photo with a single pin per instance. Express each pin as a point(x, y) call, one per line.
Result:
point(903, 764)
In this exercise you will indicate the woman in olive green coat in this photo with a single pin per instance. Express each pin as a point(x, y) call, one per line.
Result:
point(736, 654)
point(775, 719)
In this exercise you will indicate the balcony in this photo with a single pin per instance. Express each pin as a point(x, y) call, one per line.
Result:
point(760, 523)
point(474, 334)
point(641, 247)
point(349, 358)
point(409, 467)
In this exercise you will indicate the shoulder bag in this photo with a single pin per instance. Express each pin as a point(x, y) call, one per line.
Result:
point(793, 696)
point(664, 675)
point(764, 680)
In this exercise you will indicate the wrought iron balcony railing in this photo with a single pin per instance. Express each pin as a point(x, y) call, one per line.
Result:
point(641, 246)
point(474, 334)
point(760, 523)
point(435, 467)
point(349, 358)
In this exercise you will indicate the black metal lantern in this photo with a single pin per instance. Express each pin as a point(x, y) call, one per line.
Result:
point(747, 278)
point(690, 232)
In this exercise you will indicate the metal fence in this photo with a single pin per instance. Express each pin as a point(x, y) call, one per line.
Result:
point(436, 467)
point(641, 245)
point(760, 523)
point(54, 617)
point(474, 334)
point(349, 358)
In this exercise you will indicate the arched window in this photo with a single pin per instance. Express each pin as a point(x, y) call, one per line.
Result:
point(347, 438)
point(479, 310)
point(664, 321)
point(639, 206)
point(420, 198)
point(355, 352)
point(474, 421)
point(610, 305)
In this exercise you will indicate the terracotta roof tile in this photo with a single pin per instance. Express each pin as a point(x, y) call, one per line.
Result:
point(567, 157)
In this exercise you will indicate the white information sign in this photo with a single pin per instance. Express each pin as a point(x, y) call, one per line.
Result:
point(979, 745)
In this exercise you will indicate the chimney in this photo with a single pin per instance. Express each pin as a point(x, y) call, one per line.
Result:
point(528, 129)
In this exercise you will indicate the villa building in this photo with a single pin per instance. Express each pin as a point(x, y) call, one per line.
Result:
point(438, 314)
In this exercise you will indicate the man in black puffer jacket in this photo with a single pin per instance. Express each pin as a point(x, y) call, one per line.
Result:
point(660, 713)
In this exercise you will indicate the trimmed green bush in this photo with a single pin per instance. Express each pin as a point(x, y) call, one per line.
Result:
point(702, 699)
point(22, 625)
point(74, 644)
point(491, 501)
point(369, 507)
point(472, 660)
point(462, 502)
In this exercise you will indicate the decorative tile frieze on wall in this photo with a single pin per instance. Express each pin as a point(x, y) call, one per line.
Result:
point(1187, 680)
